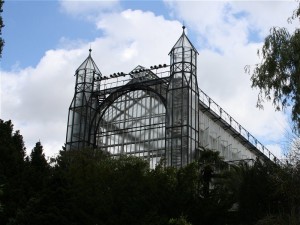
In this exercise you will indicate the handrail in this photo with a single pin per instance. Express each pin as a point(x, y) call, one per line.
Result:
point(215, 108)
point(208, 102)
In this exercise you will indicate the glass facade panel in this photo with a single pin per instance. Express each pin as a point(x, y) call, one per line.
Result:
point(134, 124)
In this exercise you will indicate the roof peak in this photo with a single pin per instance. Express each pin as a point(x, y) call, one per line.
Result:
point(183, 42)
point(89, 64)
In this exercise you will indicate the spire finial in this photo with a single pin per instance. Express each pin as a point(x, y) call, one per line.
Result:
point(183, 27)
point(90, 50)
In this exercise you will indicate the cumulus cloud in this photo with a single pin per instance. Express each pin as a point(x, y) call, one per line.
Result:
point(215, 23)
point(266, 14)
point(88, 7)
point(276, 150)
point(222, 24)
point(36, 99)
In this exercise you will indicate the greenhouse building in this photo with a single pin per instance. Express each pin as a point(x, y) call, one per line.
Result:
point(155, 113)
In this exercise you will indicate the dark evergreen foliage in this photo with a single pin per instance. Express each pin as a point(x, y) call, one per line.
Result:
point(91, 187)
point(12, 165)
point(1, 26)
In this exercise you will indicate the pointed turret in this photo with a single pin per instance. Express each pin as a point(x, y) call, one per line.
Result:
point(183, 42)
point(89, 64)
point(83, 105)
point(182, 107)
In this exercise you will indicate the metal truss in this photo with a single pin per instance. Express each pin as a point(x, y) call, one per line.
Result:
point(150, 113)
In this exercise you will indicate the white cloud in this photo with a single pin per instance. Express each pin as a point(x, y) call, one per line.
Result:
point(223, 24)
point(215, 23)
point(88, 7)
point(276, 150)
point(266, 14)
point(36, 99)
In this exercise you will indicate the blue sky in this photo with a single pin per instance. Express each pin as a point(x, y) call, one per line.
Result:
point(33, 27)
point(45, 41)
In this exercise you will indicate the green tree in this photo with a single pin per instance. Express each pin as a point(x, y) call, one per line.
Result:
point(259, 192)
point(179, 221)
point(215, 197)
point(210, 167)
point(293, 148)
point(287, 187)
point(12, 150)
point(37, 157)
point(12, 165)
point(38, 170)
point(278, 75)
point(1, 26)
point(1, 193)
point(90, 187)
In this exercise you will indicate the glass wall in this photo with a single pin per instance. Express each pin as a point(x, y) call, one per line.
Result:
point(134, 124)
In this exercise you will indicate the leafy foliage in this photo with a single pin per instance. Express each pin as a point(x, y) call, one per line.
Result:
point(179, 221)
point(278, 75)
point(89, 186)
point(1, 26)
point(12, 164)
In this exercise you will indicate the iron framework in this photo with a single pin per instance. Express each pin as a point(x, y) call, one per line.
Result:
point(153, 113)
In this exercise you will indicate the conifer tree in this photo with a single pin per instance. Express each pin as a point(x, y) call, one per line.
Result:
point(38, 167)
point(12, 166)
point(1, 26)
